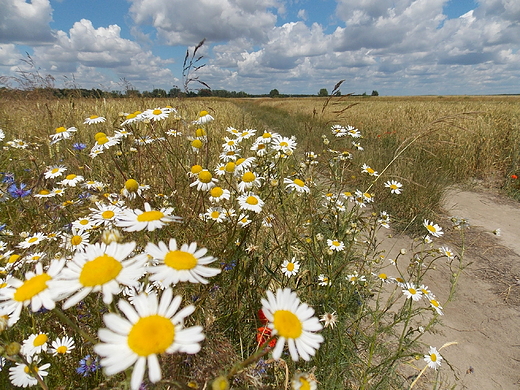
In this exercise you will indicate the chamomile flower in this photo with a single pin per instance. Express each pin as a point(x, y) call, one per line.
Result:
point(217, 214)
point(75, 241)
point(62, 133)
point(84, 223)
point(157, 114)
point(410, 291)
point(204, 117)
point(335, 245)
point(324, 280)
point(433, 229)
point(34, 257)
point(329, 319)
point(93, 119)
point(244, 220)
point(267, 137)
point(205, 181)
point(244, 164)
point(44, 194)
point(54, 171)
point(366, 169)
point(355, 278)
point(93, 185)
point(447, 252)
point(249, 181)
point(250, 202)
point(303, 381)
point(284, 145)
point(32, 240)
point(151, 327)
point(21, 374)
point(62, 346)
point(290, 268)
point(293, 322)
point(296, 185)
point(100, 267)
point(71, 180)
point(217, 194)
point(35, 344)
point(105, 214)
point(33, 291)
point(149, 219)
point(184, 264)
point(433, 358)
point(230, 144)
point(436, 305)
point(395, 186)
point(353, 132)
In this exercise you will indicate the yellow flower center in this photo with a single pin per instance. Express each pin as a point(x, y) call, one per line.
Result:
point(434, 303)
point(290, 267)
point(44, 192)
point(131, 185)
point(93, 116)
point(252, 200)
point(370, 170)
point(61, 349)
point(230, 167)
point(32, 239)
point(305, 385)
point(107, 214)
point(102, 140)
point(205, 176)
point(383, 276)
point(31, 287)
point(84, 222)
point(99, 135)
point(433, 357)
point(30, 370)
point(76, 240)
point(248, 177)
point(240, 161)
point(13, 258)
point(196, 169)
point(215, 214)
point(151, 335)
point(71, 176)
point(216, 192)
point(412, 291)
point(287, 324)
point(197, 143)
point(40, 340)
point(203, 113)
point(157, 112)
point(180, 260)
point(130, 116)
point(99, 271)
point(266, 135)
point(284, 144)
point(299, 182)
point(60, 130)
point(55, 170)
point(393, 186)
point(200, 132)
point(431, 228)
point(148, 216)
point(336, 243)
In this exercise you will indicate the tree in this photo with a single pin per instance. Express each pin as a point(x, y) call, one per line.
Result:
point(323, 92)
point(274, 93)
point(375, 93)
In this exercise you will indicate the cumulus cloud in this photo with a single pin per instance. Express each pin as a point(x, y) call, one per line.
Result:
point(9, 55)
point(186, 22)
point(25, 23)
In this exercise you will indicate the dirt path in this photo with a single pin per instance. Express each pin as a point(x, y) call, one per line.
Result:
point(484, 316)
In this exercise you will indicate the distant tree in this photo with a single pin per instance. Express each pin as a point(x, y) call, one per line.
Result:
point(375, 93)
point(274, 93)
point(159, 93)
point(174, 92)
point(205, 92)
point(323, 92)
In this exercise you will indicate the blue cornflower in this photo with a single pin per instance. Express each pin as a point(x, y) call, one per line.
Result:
point(79, 146)
point(87, 365)
point(8, 177)
point(18, 192)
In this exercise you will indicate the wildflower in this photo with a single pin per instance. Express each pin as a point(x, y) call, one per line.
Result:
point(79, 146)
point(184, 264)
point(514, 177)
point(217, 194)
point(34, 257)
point(174, 133)
point(100, 267)
point(447, 252)
point(62, 346)
point(296, 185)
point(157, 114)
point(329, 319)
point(243, 220)
point(290, 268)
point(293, 322)
point(434, 229)
point(151, 327)
point(230, 144)
point(217, 214)
point(353, 132)
point(365, 168)
point(324, 280)
point(433, 358)
point(84, 223)
point(268, 220)
point(137, 220)
point(44, 194)
point(284, 145)
point(249, 181)
point(220, 383)
point(71, 180)
point(354, 278)
point(335, 245)
point(395, 186)
point(263, 334)
point(410, 291)
point(204, 117)
point(21, 374)
point(303, 381)
point(18, 191)
point(196, 145)
point(205, 181)
point(427, 239)
point(251, 202)
point(88, 365)
point(357, 145)
point(436, 305)
point(93, 119)
point(77, 240)
point(35, 344)
point(243, 164)
point(54, 171)
point(62, 133)
point(105, 215)
point(29, 241)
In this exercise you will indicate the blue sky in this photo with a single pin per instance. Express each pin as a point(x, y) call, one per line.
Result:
point(397, 47)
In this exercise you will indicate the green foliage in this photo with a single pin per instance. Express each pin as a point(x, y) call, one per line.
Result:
point(323, 92)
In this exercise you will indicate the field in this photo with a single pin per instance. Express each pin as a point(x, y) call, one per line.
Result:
point(263, 217)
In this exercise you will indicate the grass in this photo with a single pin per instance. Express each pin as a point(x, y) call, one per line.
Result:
point(329, 229)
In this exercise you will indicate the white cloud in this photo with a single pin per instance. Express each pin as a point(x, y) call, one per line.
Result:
point(185, 22)
point(25, 23)
point(9, 55)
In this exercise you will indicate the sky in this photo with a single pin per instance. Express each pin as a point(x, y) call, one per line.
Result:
point(396, 47)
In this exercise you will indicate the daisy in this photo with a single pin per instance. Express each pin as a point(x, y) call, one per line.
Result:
point(29, 241)
point(122, 133)
point(268, 220)
point(151, 327)
point(105, 215)
point(62, 133)
point(434, 229)
point(93, 185)
point(259, 148)
point(85, 223)
point(249, 181)
point(284, 144)
point(174, 133)
point(296, 185)
point(357, 145)
point(54, 171)
point(205, 181)
point(447, 252)
point(267, 137)
point(33, 291)
point(217, 214)
point(324, 280)
point(365, 168)
point(250, 202)
point(244, 220)
point(93, 119)
point(62, 346)
point(137, 220)
point(436, 305)
point(233, 131)
point(44, 194)
point(410, 291)
point(395, 186)
point(335, 245)
point(290, 268)
point(157, 114)
point(100, 267)
point(230, 144)
point(353, 132)
point(184, 264)
point(329, 319)
point(204, 117)
point(71, 180)
point(217, 194)
point(21, 375)
point(433, 358)
point(354, 278)
point(58, 191)
point(132, 118)
point(244, 164)
point(77, 240)
point(293, 322)
point(35, 344)
point(34, 257)
point(303, 381)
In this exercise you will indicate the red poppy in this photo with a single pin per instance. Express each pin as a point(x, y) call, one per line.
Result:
point(262, 317)
point(514, 177)
point(263, 334)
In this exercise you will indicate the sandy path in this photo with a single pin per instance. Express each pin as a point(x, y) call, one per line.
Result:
point(484, 316)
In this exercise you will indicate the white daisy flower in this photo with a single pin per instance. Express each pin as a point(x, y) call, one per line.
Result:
point(366, 169)
point(244, 220)
point(54, 171)
point(324, 280)
point(62, 346)
point(184, 264)
point(284, 144)
point(151, 328)
point(447, 252)
point(149, 219)
point(250, 202)
point(303, 381)
point(249, 181)
point(71, 180)
point(433, 358)
point(296, 185)
point(335, 245)
point(21, 375)
point(157, 114)
point(93, 119)
point(62, 133)
point(29, 241)
point(290, 268)
point(217, 214)
point(217, 194)
point(35, 344)
point(293, 322)
point(395, 186)
point(434, 229)
point(410, 291)
point(84, 223)
point(76, 241)
point(204, 117)
point(205, 181)
point(105, 214)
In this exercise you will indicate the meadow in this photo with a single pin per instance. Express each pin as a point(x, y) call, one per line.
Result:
point(234, 243)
